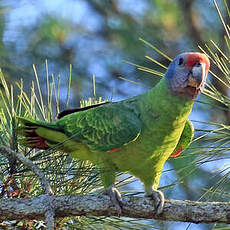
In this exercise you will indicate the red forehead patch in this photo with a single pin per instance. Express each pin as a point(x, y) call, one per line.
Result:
point(192, 58)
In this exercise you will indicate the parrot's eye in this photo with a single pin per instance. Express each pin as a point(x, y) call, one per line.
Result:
point(181, 62)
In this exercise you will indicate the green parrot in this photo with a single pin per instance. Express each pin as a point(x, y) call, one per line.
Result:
point(136, 135)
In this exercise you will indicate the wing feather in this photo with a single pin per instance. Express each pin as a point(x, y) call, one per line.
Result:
point(104, 127)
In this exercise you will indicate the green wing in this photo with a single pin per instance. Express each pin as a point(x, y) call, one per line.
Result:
point(103, 128)
point(185, 139)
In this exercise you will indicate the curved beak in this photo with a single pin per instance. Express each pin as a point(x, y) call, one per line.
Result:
point(197, 76)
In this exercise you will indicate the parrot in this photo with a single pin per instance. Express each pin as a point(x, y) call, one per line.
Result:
point(136, 135)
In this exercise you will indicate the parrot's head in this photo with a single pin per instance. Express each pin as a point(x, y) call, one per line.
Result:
point(187, 73)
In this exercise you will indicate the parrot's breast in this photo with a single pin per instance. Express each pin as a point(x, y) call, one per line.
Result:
point(163, 121)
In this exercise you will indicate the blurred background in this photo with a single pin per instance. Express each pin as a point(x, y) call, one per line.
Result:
point(98, 38)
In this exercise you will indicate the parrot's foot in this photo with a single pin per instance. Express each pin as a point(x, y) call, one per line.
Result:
point(159, 199)
point(115, 198)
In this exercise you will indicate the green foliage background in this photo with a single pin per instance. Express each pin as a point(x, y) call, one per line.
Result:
point(94, 37)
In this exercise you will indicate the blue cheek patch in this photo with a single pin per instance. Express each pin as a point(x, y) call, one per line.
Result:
point(170, 71)
point(176, 77)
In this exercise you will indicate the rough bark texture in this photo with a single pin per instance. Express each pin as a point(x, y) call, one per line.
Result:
point(135, 207)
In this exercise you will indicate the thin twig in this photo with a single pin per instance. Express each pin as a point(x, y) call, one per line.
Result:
point(49, 212)
point(28, 163)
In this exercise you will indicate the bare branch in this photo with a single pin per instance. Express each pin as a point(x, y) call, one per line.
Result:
point(134, 207)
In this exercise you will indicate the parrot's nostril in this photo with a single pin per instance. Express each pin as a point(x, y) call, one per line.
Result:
point(197, 64)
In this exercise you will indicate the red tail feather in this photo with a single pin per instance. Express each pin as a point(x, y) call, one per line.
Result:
point(35, 141)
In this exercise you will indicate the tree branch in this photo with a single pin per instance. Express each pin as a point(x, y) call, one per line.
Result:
point(48, 206)
point(134, 207)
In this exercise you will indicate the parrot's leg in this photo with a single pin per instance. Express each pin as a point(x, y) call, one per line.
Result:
point(115, 197)
point(108, 175)
point(158, 198)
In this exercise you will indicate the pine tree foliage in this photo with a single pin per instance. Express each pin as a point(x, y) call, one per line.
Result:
point(70, 176)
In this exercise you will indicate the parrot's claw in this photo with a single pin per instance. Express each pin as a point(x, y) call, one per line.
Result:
point(159, 199)
point(115, 198)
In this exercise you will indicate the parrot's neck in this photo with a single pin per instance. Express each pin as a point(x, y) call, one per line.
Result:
point(161, 101)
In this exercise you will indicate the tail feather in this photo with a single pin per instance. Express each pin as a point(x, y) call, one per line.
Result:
point(37, 134)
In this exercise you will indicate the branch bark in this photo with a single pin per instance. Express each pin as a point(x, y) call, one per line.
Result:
point(134, 207)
